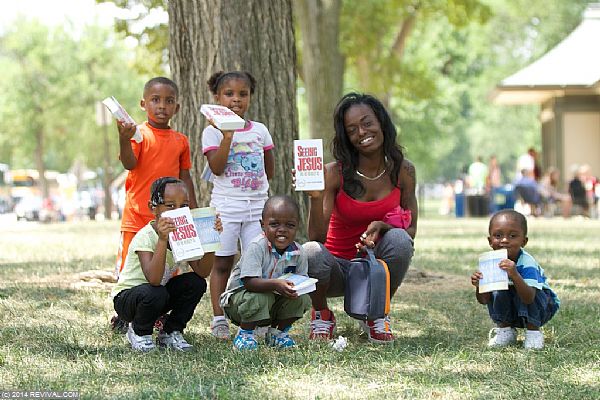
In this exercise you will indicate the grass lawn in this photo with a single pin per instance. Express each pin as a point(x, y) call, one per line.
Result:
point(56, 337)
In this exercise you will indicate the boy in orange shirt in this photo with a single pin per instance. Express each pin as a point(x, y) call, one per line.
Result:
point(162, 152)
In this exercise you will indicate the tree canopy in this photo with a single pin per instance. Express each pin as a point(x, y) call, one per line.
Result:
point(53, 80)
point(433, 63)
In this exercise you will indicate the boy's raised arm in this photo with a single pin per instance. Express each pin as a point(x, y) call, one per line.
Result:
point(126, 132)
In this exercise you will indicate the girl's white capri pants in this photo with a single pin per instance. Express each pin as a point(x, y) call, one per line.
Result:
point(241, 222)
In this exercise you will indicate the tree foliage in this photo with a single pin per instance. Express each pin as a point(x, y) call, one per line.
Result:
point(433, 63)
point(152, 56)
point(53, 80)
point(454, 53)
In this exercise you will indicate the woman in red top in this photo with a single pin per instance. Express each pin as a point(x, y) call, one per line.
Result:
point(368, 202)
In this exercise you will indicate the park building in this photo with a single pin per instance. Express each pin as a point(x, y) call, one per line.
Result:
point(565, 82)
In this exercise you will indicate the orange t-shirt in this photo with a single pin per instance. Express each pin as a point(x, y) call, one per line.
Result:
point(162, 152)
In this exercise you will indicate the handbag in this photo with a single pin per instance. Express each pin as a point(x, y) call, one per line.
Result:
point(367, 289)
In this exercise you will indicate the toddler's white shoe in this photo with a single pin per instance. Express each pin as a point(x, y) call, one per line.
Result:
point(140, 343)
point(504, 337)
point(533, 340)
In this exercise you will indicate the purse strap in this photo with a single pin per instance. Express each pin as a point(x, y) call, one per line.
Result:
point(371, 256)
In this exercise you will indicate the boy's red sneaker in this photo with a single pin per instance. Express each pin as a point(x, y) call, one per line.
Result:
point(322, 324)
point(379, 330)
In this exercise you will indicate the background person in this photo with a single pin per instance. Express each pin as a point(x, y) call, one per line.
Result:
point(577, 190)
point(494, 178)
point(528, 194)
point(478, 175)
point(551, 195)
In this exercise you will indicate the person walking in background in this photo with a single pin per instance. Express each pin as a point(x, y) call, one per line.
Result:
point(242, 162)
point(478, 175)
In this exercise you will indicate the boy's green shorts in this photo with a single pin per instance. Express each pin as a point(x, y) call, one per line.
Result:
point(245, 306)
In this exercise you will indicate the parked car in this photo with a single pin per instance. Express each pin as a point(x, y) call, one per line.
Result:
point(34, 208)
point(28, 208)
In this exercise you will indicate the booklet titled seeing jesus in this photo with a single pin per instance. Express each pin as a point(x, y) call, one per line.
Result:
point(185, 242)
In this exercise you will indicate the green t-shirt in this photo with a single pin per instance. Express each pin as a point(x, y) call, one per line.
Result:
point(132, 274)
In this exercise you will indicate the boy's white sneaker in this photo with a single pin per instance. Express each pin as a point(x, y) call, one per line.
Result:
point(533, 340)
point(504, 337)
point(173, 340)
point(140, 343)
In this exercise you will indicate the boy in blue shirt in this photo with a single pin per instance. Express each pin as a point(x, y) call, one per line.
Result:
point(529, 302)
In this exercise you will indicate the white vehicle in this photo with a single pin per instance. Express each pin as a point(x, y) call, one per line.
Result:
point(29, 208)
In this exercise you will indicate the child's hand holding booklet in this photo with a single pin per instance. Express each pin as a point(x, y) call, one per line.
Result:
point(121, 115)
point(222, 117)
point(302, 284)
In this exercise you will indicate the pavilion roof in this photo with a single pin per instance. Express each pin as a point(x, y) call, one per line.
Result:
point(571, 67)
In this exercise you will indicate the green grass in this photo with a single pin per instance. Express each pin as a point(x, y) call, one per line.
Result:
point(56, 337)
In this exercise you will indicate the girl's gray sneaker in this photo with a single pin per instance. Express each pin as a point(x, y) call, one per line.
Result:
point(173, 340)
point(140, 343)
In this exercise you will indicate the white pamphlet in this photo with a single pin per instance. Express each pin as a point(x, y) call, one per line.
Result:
point(204, 219)
point(223, 118)
point(494, 278)
point(302, 284)
point(185, 242)
point(120, 114)
point(308, 163)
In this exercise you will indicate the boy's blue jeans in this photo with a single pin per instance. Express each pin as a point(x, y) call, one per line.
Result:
point(505, 307)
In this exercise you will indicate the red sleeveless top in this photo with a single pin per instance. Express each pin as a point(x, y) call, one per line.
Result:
point(350, 218)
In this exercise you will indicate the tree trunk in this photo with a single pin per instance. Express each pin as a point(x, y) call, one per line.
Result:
point(254, 35)
point(322, 63)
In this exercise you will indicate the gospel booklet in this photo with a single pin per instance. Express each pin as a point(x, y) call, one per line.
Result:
point(494, 278)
